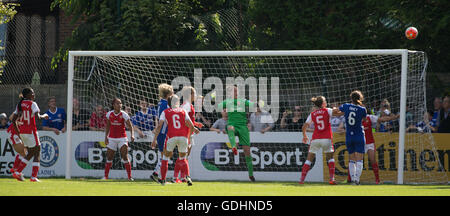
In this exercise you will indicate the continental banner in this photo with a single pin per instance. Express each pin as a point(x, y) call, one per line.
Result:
point(423, 162)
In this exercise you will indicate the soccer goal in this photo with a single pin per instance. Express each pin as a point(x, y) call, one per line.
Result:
point(281, 83)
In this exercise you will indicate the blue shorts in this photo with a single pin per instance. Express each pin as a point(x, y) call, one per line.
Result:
point(161, 140)
point(355, 144)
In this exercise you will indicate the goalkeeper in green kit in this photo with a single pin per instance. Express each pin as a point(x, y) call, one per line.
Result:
point(237, 126)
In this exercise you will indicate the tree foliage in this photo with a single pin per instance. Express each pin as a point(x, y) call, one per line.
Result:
point(261, 24)
point(7, 12)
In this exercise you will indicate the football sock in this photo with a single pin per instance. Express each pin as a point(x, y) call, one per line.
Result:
point(158, 166)
point(107, 167)
point(331, 168)
point(185, 170)
point(352, 169)
point(375, 171)
point(305, 170)
point(23, 163)
point(17, 162)
point(248, 161)
point(349, 178)
point(359, 167)
point(35, 170)
point(176, 169)
point(232, 138)
point(127, 166)
point(164, 167)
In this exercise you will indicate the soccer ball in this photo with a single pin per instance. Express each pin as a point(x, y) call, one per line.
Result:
point(411, 33)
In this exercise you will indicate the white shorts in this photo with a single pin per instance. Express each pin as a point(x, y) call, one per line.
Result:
point(29, 140)
point(370, 146)
point(318, 144)
point(179, 141)
point(117, 143)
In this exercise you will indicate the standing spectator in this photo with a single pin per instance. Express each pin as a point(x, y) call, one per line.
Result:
point(437, 105)
point(144, 120)
point(385, 110)
point(80, 117)
point(292, 124)
point(199, 117)
point(97, 122)
point(424, 126)
point(4, 121)
point(444, 117)
point(337, 122)
point(260, 121)
point(56, 121)
point(221, 124)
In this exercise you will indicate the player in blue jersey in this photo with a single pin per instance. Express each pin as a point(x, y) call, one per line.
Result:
point(56, 121)
point(354, 113)
point(165, 91)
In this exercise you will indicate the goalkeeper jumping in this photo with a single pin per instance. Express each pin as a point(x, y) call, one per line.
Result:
point(237, 126)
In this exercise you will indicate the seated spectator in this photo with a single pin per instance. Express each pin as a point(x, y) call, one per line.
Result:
point(145, 119)
point(97, 122)
point(57, 118)
point(294, 123)
point(4, 121)
point(444, 117)
point(80, 117)
point(260, 121)
point(221, 124)
point(424, 126)
point(311, 126)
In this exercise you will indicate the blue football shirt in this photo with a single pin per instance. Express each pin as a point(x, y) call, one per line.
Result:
point(56, 119)
point(353, 115)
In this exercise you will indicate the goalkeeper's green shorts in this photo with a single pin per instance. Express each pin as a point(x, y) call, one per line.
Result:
point(242, 132)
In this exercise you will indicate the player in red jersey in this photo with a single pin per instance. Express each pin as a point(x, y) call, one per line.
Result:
point(116, 137)
point(24, 135)
point(189, 95)
point(179, 129)
point(322, 136)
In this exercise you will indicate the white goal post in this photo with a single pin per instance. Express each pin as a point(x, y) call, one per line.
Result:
point(140, 57)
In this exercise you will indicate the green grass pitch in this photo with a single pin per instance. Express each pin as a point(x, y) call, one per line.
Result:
point(94, 187)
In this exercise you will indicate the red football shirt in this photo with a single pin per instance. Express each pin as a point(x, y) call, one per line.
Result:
point(27, 121)
point(117, 122)
point(322, 127)
point(370, 119)
point(97, 121)
point(175, 119)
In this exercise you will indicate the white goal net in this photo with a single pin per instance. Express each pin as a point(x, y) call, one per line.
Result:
point(282, 83)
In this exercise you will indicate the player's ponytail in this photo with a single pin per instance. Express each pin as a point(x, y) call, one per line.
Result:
point(357, 97)
point(318, 101)
point(22, 96)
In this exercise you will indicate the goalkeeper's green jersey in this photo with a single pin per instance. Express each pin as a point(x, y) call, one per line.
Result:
point(236, 109)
